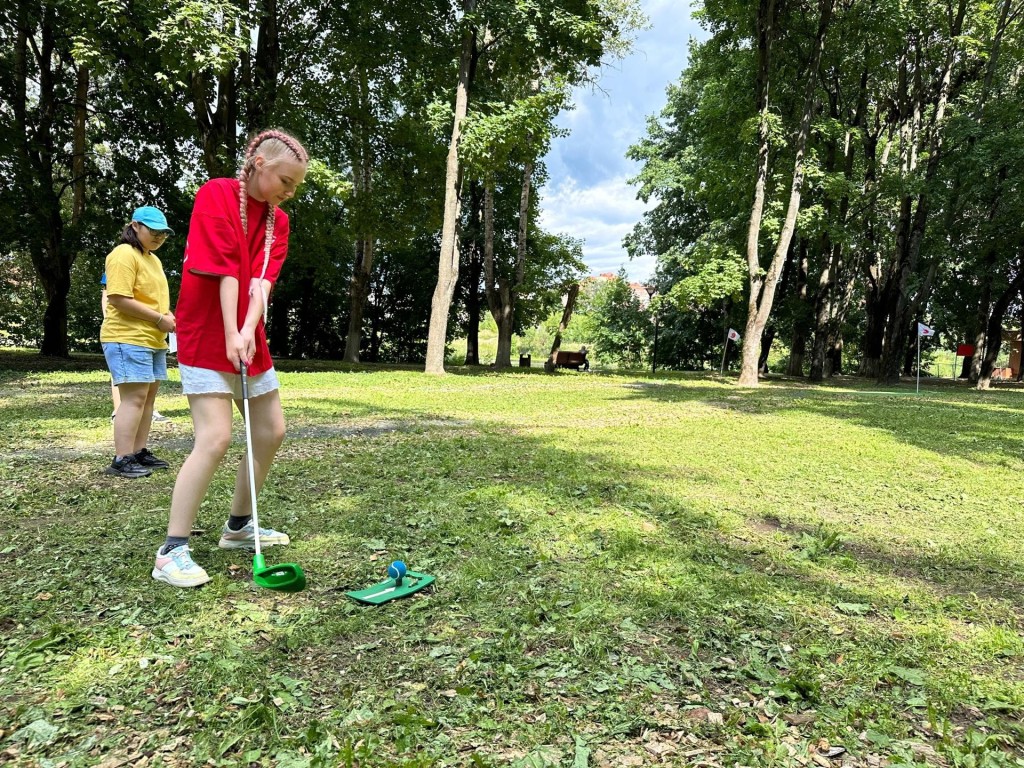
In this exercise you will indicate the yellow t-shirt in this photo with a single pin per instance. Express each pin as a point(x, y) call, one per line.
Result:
point(141, 277)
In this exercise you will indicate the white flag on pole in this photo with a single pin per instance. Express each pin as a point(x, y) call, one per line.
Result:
point(734, 335)
point(924, 330)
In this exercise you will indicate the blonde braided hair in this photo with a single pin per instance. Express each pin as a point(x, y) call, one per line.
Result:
point(270, 145)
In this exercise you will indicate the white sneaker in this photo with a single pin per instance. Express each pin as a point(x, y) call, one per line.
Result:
point(157, 416)
point(246, 537)
point(178, 569)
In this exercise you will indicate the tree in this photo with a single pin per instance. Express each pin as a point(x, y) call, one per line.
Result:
point(762, 285)
point(622, 329)
point(448, 261)
point(61, 58)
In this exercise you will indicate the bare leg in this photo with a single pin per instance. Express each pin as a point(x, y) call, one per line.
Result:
point(115, 395)
point(142, 434)
point(267, 425)
point(129, 423)
point(211, 422)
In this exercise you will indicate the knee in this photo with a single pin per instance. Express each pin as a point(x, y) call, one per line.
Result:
point(213, 447)
point(269, 436)
point(275, 434)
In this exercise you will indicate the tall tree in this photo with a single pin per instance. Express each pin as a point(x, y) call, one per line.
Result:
point(448, 261)
point(762, 283)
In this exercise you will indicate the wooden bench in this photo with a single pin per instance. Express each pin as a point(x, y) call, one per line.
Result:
point(1002, 374)
point(572, 360)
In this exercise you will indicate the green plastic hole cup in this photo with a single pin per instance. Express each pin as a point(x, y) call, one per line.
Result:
point(283, 577)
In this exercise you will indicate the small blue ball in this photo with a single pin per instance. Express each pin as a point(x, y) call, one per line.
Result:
point(397, 570)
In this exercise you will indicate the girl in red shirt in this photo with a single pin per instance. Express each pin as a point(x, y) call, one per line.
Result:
point(237, 243)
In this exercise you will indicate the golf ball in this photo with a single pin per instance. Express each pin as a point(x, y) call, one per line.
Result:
point(396, 570)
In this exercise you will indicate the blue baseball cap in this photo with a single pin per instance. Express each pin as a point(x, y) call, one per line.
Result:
point(153, 218)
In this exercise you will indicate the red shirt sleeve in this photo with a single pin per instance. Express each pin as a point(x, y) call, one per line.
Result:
point(215, 238)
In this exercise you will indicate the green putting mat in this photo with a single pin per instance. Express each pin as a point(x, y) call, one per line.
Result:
point(389, 590)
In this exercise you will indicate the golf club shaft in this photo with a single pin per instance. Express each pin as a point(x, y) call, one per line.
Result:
point(248, 456)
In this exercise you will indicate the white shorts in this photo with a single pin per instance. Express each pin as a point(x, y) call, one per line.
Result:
point(203, 381)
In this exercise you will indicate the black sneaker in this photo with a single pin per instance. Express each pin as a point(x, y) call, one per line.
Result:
point(147, 459)
point(127, 467)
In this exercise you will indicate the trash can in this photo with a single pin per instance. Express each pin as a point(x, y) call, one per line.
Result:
point(524, 361)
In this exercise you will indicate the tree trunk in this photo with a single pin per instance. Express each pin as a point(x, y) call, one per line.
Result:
point(762, 289)
point(213, 130)
point(765, 36)
point(798, 347)
point(501, 294)
point(362, 270)
point(473, 241)
point(570, 305)
point(359, 291)
point(37, 154)
point(874, 311)
point(499, 290)
point(265, 71)
point(78, 147)
point(831, 301)
point(448, 262)
point(994, 329)
point(823, 309)
point(987, 277)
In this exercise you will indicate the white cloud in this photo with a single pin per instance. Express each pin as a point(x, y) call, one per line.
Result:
point(601, 215)
point(587, 195)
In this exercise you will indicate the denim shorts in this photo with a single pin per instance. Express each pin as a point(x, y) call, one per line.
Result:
point(132, 364)
point(203, 381)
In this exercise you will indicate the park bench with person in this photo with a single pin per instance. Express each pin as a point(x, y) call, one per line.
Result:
point(574, 360)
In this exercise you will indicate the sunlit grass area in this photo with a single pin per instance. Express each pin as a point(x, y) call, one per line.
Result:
point(631, 570)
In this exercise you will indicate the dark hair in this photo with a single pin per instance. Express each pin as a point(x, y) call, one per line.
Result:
point(131, 237)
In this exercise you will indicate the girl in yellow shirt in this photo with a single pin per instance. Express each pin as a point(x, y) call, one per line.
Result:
point(134, 337)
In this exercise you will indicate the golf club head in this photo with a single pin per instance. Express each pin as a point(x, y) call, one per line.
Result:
point(284, 577)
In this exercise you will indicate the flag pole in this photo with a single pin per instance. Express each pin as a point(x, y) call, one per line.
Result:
point(919, 358)
point(724, 351)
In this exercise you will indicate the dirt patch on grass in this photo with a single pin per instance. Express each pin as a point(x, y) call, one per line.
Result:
point(768, 525)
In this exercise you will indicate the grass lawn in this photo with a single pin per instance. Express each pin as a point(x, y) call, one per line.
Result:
point(631, 571)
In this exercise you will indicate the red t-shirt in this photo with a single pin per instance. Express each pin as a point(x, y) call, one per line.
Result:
point(213, 250)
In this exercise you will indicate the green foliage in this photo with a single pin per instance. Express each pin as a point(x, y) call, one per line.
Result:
point(21, 301)
point(174, 90)
point(867, 170)
point(212, 31)
point(617, 324)
point(712, 271)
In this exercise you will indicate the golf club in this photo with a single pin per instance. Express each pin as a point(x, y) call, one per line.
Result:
point(285, 577)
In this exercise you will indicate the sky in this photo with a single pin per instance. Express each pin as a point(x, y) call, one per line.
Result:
point(588, 195)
